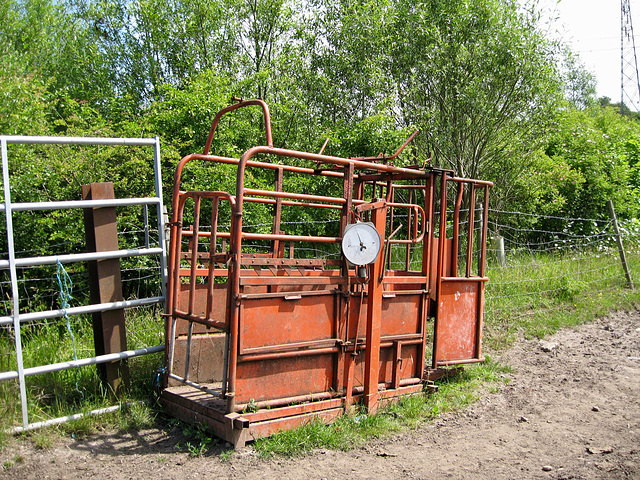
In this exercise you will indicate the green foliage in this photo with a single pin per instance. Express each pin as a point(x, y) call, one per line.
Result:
point(200, 440)
point(22, 109)
point(580, 84)
point(599, 145)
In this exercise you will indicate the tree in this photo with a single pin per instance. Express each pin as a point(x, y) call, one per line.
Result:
point(479, 80)
point(580, 84)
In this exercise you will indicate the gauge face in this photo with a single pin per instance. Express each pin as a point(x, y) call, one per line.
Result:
point(361, 243)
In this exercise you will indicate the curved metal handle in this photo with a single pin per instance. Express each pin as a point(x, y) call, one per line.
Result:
point(241, 104)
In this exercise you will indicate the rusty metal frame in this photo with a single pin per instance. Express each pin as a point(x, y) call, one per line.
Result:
point(302, 336)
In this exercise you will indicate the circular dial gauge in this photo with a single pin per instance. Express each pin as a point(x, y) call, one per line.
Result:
point(361, 243)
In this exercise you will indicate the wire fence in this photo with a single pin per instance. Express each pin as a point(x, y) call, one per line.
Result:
point(558, 274)
point(532, 268)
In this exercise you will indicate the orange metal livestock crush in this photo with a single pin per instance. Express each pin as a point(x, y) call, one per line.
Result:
point(338, 300)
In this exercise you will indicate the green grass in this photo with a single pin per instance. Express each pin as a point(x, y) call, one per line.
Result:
point(351, 431)
point(532, 296)
point(68, 392)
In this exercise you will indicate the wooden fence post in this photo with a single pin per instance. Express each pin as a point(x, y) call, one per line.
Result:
point(106, 286)
point(623, 256)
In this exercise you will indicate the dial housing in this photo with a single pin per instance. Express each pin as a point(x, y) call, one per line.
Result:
point(361, 243)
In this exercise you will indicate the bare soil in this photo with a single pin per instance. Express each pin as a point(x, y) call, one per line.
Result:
point(571, 410)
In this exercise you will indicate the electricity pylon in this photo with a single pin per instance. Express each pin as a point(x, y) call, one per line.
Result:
point(630, 81)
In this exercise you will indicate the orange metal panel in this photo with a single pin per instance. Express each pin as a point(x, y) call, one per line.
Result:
point(401, 315)
point(278, 321)
point(284, 377)
point(219, 305)
point(458, 320)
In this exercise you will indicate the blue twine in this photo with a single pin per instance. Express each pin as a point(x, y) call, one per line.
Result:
point(157, 378)
point(66, 285)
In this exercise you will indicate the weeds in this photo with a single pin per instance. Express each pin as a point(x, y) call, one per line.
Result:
point(533, 296)
point(200, 440)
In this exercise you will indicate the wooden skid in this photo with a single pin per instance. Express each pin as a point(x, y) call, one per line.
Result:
point(199, 408)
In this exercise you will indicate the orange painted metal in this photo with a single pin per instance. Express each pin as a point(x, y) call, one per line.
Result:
point(264, 333)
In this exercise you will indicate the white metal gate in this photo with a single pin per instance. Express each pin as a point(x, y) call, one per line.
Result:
point(18, 320)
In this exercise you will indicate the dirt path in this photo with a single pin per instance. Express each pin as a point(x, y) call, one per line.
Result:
point(570, 412)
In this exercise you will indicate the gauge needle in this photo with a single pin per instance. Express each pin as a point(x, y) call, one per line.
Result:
point(362, 245)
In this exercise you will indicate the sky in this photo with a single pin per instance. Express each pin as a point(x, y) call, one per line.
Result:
point(592, 29)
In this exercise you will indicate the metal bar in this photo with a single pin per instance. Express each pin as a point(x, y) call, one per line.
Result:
point(408, 247)
point(296, 196)
point(170, 338)
point(281, 402)
point(235, 249)
point(445, 363)
point(198, 319)
point(175, 241)
point(471, 225)
point(324, 145)
point(428, 228)
point(225, 364)
point(442, 239)
point(255, 357)
point(68, 204)
point(399, 293)
point(99, 307)
point(481, 272)
point(407, 142)
point(484, 183)
point(277, 214)
point(465, 279)
point(257, 164)
point(395, 382)
point(241, 104)
point(56, 367)
point(387, 244)
point(43, 140)
point(347, 187)
point(160, 215)
point(145, 214)
point(374, 318)
point(300, 294)
point(187, 362)
point(293, 238)
point(456, 231)
point(195, 244)
point(15, 304)
point(80, 257)
point(291, 203)
point(485, 225)
point(68, 418)
point(212, 250)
